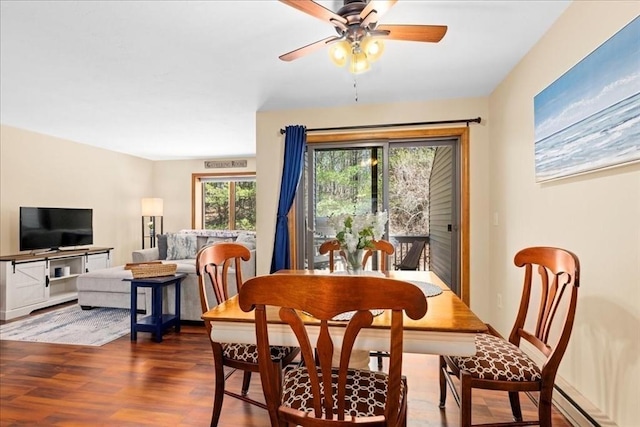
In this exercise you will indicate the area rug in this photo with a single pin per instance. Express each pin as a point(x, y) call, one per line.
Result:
point(70, 325)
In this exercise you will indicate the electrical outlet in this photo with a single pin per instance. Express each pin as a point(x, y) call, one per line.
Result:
point(499, 303)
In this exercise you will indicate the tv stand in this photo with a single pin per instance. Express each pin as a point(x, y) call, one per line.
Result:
point(36, 280)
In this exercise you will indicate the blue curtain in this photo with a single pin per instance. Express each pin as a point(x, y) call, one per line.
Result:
point(294, 143)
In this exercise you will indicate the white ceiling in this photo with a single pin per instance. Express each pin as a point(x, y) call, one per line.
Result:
point(184, 79)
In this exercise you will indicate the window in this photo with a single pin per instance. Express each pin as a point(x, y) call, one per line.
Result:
point(225, 202)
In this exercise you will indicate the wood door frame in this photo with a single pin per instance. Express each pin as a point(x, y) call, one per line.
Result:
point(462, 133)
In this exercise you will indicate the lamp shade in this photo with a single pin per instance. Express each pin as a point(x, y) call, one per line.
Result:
point(359, 63)
point(373, 48)
point(152, 206)
point(339, 53)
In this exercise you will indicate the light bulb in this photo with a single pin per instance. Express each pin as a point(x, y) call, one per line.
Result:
point(373, 48)
point(359, 63)
point(339, 53)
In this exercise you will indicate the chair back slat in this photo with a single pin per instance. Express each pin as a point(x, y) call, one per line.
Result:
point(555, 299)
point(289, 316)
point(544, 297)
point(395, 363)
point(273, 387)
point(325, 297)
point(360, 319)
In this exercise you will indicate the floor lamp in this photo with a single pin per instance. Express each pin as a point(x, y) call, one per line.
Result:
point(152, 210)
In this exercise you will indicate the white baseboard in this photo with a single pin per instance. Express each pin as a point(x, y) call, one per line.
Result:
point(576, 408)
point(573, 405)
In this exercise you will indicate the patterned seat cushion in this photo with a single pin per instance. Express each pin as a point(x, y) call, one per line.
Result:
point(249, 352)
point(366, 391)
point(498, 359)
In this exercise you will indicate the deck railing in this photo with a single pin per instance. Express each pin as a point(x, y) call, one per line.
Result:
point(403, 243)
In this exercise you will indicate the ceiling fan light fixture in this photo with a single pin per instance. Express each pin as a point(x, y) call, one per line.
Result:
point(359, 63)
point(373, 48)
point(359, 33)
point(339, 53)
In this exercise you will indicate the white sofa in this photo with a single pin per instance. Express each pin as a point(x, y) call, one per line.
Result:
point(106, 288)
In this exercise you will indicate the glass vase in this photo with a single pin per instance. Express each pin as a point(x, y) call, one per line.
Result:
point(353, 261)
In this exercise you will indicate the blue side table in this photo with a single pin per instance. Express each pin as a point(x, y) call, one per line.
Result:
point(158, 322)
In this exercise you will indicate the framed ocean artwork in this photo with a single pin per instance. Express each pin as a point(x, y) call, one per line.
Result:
point(589, 118)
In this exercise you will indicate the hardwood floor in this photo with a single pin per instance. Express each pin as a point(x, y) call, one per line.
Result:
point(126, 383)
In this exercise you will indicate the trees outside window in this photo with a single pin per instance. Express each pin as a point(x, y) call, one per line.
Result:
point(229, 203)
point(350, 181)
point(409, 183)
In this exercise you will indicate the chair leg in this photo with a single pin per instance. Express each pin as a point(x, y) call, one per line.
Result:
point(379, 362)
point(465, 400)
point(544, 407)
point(443, 382)
point(514, 398)
point(218, 394)
point(246, 379)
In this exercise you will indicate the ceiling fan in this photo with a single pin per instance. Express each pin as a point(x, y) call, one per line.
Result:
point(359, 39)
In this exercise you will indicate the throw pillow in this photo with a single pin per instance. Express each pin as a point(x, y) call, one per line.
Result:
point(249, 245)
point(247, 239)
point(162, 246)
point(246, 236)
point(181, 246)
point(212, 240)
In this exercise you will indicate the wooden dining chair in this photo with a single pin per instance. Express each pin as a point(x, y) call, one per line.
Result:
point(500, 364)
point(317, 394)
point(330, 247)
point(212, 267)
point(383, 247)
point(384, 250)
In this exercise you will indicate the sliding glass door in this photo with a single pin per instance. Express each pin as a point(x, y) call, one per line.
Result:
point(416, 181)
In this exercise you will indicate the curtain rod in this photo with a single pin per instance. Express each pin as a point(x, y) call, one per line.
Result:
point(440, 122)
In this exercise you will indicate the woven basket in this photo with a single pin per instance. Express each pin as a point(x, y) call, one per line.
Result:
point(129, 265)
point(153, 270)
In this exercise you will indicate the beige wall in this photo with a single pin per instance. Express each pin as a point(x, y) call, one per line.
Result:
point(270, 149)
point(597, 216)
point(40, 170)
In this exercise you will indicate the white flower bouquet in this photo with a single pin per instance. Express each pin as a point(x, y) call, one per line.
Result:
point(355, 232)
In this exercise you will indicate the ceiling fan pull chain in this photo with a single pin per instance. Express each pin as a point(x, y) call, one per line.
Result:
point(355, 87)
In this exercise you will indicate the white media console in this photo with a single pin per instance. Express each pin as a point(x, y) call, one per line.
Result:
point(32, 281)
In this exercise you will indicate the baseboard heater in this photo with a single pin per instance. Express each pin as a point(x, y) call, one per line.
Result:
point(577, 415)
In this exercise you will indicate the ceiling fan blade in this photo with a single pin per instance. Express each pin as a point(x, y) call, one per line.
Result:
point(316, 10)
point(415, 33)
point(295, 54)
point(374, 11)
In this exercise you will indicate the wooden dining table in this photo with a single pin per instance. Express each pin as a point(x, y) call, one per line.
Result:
point(447, 328)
